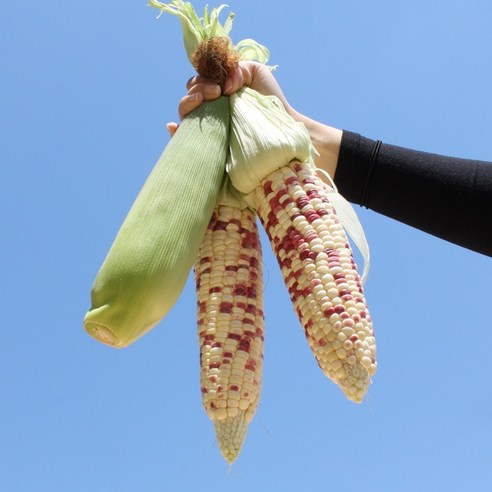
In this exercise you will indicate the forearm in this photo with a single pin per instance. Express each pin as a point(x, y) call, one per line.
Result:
point(448, 197)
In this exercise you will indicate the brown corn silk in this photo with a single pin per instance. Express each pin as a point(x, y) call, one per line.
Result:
point(215, 60)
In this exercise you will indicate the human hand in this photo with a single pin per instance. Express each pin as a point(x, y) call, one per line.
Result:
point(252, 74)
point(325, 139)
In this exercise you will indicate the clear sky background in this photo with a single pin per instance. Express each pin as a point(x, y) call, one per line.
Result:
point(86, 89)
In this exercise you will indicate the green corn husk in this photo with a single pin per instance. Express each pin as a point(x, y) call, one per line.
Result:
point(154, 251)
point(264, 137)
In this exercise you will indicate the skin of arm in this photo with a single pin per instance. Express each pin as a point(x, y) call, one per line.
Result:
point(326, 139)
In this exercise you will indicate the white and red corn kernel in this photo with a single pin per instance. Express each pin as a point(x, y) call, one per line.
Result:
point(228, 276)
point(320, 274)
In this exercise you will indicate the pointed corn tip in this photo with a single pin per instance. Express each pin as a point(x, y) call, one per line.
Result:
point(355, 388)
point(231, 433)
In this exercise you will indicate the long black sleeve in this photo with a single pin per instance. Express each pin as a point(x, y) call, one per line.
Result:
point(448, 197)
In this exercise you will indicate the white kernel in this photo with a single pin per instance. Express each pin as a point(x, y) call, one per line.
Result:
point(332, 293)
point(318, 224)
point(359, 326)
point(366, 362)
point(327, 279)
point(341, 337)
point(302, 279)
point(351, 359)
point(330, 335)
point(347, 344)
point(337, 326)
point(341, 353)
point(347, 331)
point(241, 354)
point(243, 404)
point(325, 305)
point(300, 223)
point(312, 304)
point(220, 413)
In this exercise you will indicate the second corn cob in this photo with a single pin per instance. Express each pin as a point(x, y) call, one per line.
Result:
point(228, 275)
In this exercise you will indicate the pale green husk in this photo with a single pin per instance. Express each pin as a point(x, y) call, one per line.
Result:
point(156, 246)
point(230, 196)
point(264, 137)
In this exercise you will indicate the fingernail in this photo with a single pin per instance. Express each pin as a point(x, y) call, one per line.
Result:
point(171, 128)
point(211, 90)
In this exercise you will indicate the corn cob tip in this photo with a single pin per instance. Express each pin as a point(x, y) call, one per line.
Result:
point(102, 334)
point(231, 433)
point(355, 392)
point(355, 382)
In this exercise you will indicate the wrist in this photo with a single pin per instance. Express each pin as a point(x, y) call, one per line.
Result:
point(326, 140)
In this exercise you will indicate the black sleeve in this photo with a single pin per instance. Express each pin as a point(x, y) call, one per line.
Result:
point(448, 197)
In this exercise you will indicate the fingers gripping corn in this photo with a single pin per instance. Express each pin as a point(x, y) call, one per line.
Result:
point(230, 323)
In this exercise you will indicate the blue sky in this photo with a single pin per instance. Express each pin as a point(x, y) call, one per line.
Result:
point(85, 92)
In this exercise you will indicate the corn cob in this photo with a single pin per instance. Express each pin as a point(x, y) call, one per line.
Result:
point(320, 274)
point(155, 248)
point(228, 276)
